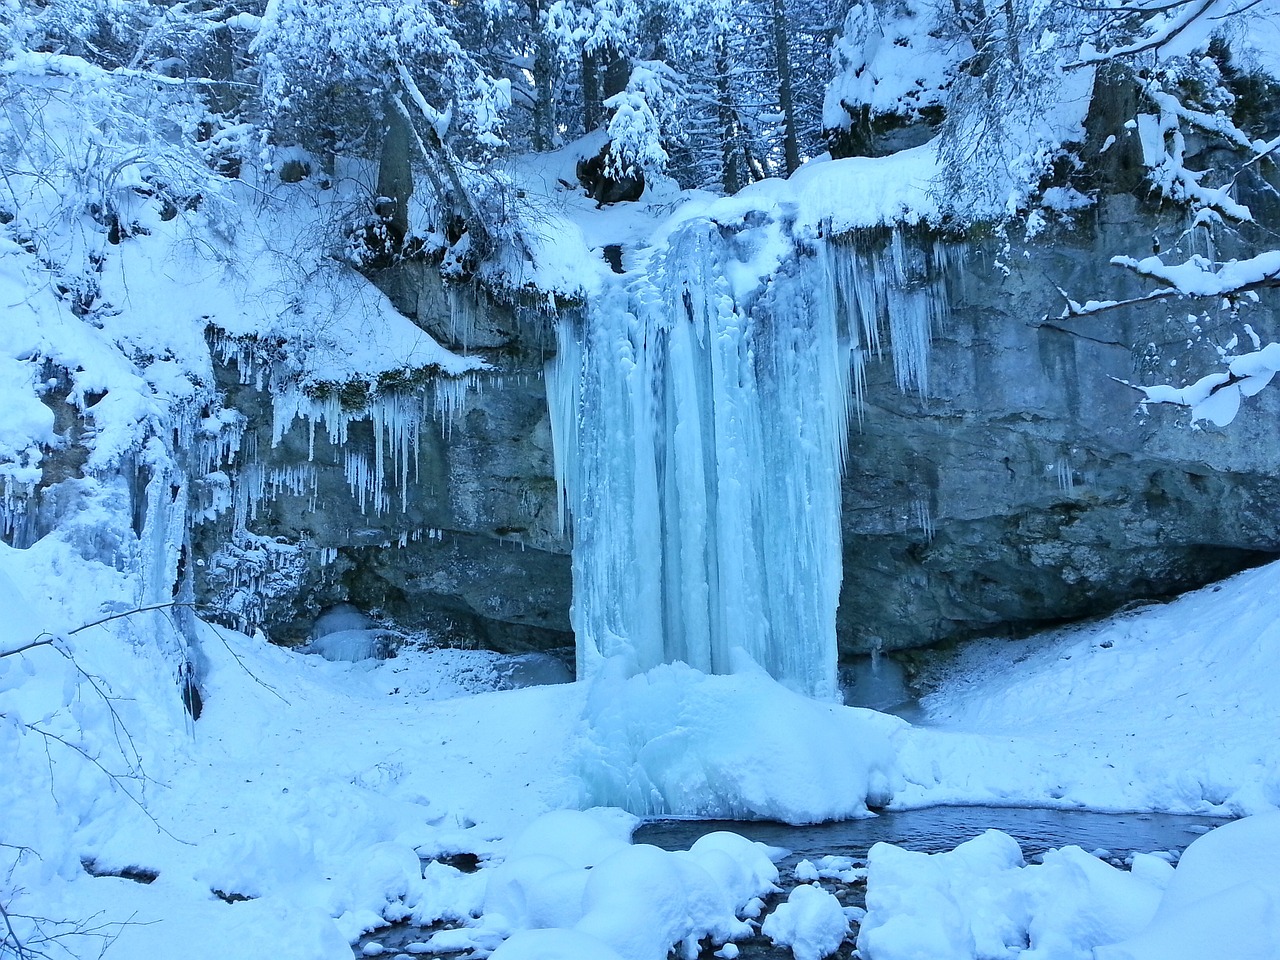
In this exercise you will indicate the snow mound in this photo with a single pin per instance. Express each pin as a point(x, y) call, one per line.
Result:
point(675, 741)
point(812, 923)
point(1223, 900)
point(981, 900)
point(351, 646)
point(573, 886)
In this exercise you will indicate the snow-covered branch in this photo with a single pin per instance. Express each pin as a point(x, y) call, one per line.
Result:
point(1216, 397)
point(1168, 24)
point(1089, 307)
point(1199, 277)
point(1196, 277)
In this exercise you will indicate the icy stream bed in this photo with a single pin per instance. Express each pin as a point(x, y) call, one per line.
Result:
point(935, 829)
point(835, 854)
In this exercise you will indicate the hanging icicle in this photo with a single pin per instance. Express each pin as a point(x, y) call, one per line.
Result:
point(700, 435)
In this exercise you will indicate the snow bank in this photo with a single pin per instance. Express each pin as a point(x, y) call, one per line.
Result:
point(575, 877)
point(1114, 715)
point(1223, 900)
point(981, 900)
point(674, 741)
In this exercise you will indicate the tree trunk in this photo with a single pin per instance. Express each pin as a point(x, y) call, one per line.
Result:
point(543, 71)
point(617, 72)
point(786, 96)
point(395, 173)
point(1012, 28)
point(730, 175)
point(441, 167)
point(592, 111)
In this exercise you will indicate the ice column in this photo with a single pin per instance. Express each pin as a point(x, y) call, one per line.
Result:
point(700, 437)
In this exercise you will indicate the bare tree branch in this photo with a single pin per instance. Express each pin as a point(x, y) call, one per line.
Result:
point(115, 778)
point(1158, 40)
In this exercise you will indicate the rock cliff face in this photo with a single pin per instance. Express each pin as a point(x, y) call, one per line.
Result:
point(1028, 485)
point(1025, 486)
point(468, 548)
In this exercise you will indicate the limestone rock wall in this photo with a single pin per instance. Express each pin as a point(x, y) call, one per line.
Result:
point(1029, 485)
point(469, 550)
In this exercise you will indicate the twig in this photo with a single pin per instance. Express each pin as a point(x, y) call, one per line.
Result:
point(113, 777)
point(34, 946)
point(12, 938)
point(30, 646)
point(129, 613)
point(240, 661)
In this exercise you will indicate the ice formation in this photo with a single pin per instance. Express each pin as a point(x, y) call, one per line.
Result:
point(397, 418)
point(674, 741)
point(700, 411)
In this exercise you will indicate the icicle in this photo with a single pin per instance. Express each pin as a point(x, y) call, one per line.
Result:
point(698, 444)
point(296, 480)
point(464, 314)
point(924, 519)
point(893, 289)
point(563, 376)
point(1066, 476)
point(363, 481)
point(16, 516)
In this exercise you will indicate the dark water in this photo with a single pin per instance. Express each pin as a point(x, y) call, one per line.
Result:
point(1114, 837)
point(936, 829)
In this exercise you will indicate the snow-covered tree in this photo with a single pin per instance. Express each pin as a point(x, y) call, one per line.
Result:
point(1198, 82)
point(337, 70)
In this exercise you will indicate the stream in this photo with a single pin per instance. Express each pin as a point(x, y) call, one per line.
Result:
point(935, 829)
point(1114, 837)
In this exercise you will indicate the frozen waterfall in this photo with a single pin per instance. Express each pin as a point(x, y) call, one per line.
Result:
point(700, 415)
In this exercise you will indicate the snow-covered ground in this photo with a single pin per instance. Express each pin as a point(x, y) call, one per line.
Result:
point(313, 788)
point(1164, 708)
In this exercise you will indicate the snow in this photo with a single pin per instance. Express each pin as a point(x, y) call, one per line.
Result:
point(982, 900)
point(1224, 898)
point(897, 66)
point(811, 922)
point(838, 196)
point(314, 786)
